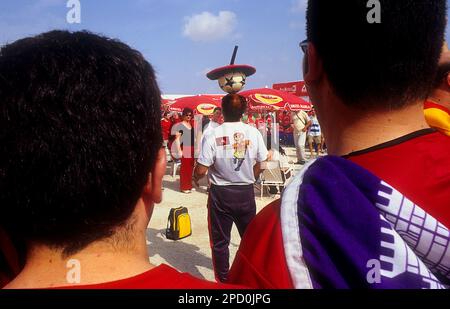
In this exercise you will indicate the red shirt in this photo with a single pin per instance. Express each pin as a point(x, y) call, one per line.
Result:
point(286, 123)
point(161, 277)
point(165, 127)
point(417, 165)
point(260, 261)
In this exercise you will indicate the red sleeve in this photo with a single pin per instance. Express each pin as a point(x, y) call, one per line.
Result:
point(165, 128)
point(260, 262)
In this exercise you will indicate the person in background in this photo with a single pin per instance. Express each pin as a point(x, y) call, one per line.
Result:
point(231, 155)
point(269, 125)
point(261, 125)
point(375, 214)
point(282, 131)
point(314, 135)
point(205, 121)
point(166, 124)
point(176, 118)
point(183, 146)
point(251, 120)
point(288, 129)
point(216, 120)
point(174, 151)
point(79, 183)
point(300, 124)
point(437, 106)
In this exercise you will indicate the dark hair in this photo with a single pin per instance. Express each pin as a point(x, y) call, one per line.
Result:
point(217, 109)
point(443, 71)
point(80, 132)
point(186, 111)
point(233, 107)
point(394, 61)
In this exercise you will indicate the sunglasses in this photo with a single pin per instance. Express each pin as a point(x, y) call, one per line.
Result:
point(188, 115)
point(304, 46)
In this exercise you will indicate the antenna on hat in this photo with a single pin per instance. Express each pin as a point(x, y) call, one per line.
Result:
point(233, 58)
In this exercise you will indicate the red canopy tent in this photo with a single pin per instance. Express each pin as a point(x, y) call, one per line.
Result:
point(200, 104)
point(270, 100)
point(168, 102)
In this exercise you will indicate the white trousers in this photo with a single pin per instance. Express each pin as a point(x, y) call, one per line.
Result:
point(300, 140)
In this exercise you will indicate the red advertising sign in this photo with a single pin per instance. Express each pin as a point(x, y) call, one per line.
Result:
point(296, 88)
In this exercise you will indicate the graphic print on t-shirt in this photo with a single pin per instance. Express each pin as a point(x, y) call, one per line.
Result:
point(240, 149)
point(222, 141)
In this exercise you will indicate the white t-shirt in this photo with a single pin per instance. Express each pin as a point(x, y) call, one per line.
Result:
point(211, 125)
point(230, 151)
point(300, 120)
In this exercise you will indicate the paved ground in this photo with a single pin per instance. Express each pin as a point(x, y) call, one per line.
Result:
point(192, 254)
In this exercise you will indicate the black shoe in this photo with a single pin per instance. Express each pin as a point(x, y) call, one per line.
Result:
point(302, 162)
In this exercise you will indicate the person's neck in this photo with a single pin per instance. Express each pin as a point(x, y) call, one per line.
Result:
point(361, 130)
point(121, 256)
point(99, 263)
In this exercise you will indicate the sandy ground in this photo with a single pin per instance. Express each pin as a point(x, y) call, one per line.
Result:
point(192, 254)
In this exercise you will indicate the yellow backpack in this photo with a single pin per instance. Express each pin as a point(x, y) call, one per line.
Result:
point(178, 224)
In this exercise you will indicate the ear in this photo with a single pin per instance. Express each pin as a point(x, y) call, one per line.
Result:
point(312, 65)
point(448, 80)
point(153, 188)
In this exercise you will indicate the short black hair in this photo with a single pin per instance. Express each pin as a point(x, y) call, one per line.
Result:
point(79, 133)
point(187, 111)
point(217, 109)
point(394, 61)
point(233, 107)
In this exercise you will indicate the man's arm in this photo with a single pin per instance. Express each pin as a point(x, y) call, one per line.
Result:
point(308, 125)
point(199, 172)
point(257, 170)
point(262, 156)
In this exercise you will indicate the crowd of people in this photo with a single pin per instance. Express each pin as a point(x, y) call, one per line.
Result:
point(278, 129)
point(82, 162)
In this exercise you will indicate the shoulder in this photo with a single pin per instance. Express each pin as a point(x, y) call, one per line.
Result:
point(210, 133)
point(262, 242)
point(254, 131)
point(161, 277)
point(187, 281)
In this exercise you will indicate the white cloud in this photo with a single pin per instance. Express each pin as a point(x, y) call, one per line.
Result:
point(207, 27)
point(299, 6)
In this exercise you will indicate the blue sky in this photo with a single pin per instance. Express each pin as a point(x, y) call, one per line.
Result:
point(183, 39)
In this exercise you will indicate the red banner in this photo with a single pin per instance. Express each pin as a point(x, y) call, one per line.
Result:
point(296, 88)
